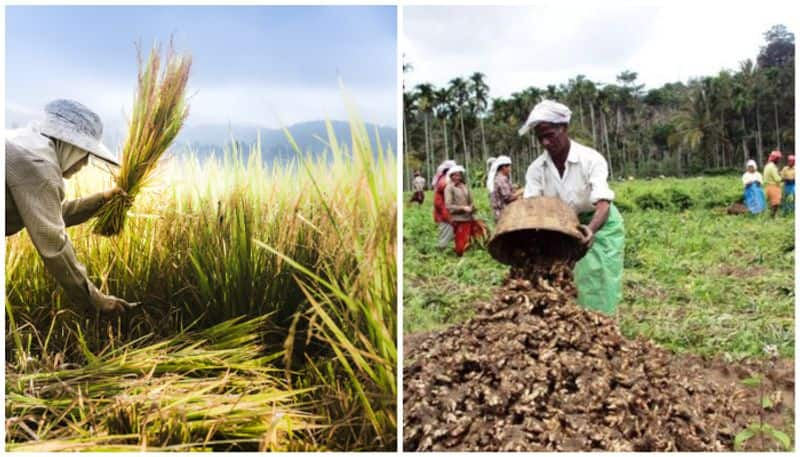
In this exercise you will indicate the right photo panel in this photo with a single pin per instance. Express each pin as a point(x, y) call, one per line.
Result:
point(598, 228)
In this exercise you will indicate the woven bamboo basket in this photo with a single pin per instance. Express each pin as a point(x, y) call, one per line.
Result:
point(545, 223)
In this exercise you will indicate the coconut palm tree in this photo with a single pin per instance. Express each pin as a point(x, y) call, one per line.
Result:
point(697, 129)
point(425, 102)
point(605, 98)
point(751, 80)
point(443, 109)
point(636, 131)
point(721, 101)
point(480, 97)
point(410, 112)
point(742, 101)
point(589, 95)
point(460, 93)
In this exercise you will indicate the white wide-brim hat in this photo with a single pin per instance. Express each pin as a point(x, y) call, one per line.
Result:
point(70, 121)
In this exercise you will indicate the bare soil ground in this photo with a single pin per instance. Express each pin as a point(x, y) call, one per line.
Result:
point(534, 371)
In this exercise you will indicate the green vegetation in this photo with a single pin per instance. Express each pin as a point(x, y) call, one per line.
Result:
point(696, 279)
point(714, 122)
point(761, 429)
point(267, 317)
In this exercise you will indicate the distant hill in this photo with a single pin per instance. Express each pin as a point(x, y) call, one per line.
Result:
point(206, 140)
point(210, 139)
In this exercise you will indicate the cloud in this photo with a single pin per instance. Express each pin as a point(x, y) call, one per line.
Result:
point(520, 46)
point(265, 105)
point(275, 106)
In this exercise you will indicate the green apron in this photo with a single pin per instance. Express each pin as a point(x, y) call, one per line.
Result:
point(599, 274)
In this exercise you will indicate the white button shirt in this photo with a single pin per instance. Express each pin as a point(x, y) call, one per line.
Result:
point(584, 183)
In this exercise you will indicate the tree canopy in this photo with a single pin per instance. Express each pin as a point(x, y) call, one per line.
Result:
point(710, 123)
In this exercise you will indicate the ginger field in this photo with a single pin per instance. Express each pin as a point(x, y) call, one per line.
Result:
point(708, 296)
point(696, 279)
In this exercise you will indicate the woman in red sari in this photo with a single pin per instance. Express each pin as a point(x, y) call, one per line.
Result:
point(458, 200)
point(440, 214)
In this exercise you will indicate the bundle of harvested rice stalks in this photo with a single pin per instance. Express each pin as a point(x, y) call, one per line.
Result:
point(159, 111)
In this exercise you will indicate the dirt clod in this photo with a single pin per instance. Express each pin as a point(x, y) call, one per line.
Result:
point(737, 208)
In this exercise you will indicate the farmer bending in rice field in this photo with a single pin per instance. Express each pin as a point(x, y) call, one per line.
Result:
point(773, 181)
point(418, 186)
point(458, 200)
point(578, 175)
point(38, 159)
point(440, 214)
point(498, 182)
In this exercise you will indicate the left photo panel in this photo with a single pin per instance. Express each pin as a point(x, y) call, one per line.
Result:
point(201, 225)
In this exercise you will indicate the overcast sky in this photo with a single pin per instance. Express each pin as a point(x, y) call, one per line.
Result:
point(520, 46)
point(271, 66)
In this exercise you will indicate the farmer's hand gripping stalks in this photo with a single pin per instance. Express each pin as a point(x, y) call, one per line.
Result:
point(116, 191)
point(109, 304)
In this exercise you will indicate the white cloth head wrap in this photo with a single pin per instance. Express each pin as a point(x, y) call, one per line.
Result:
point(455, 169)
point(751, 163)
point(499, 162)
point(546, 111)
point(440, 170)
point(68, 155)
point(60, 153)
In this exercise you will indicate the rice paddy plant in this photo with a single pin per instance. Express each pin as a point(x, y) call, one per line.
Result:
point(159, 109)
point(210, 389)
point(310, 244)
point(362, 332)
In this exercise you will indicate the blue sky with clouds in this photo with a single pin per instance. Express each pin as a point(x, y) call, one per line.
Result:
point(265, 65)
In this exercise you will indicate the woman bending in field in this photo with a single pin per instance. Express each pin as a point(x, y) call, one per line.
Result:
point(38, 159)
point(440, 215)
point(753, 195)
point(458, 200)
point(501, 191)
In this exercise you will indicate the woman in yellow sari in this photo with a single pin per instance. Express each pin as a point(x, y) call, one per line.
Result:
point(787, 174)
point(773, 181)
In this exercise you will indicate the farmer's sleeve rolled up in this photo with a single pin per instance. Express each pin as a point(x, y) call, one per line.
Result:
point(598, 181)
point(39, 207)
point(534, 187)
point(81, 210)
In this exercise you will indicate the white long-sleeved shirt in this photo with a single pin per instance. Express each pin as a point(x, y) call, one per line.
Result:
point(419, 184)
point(584, 183)
point(749, 177)
point(34, 196)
